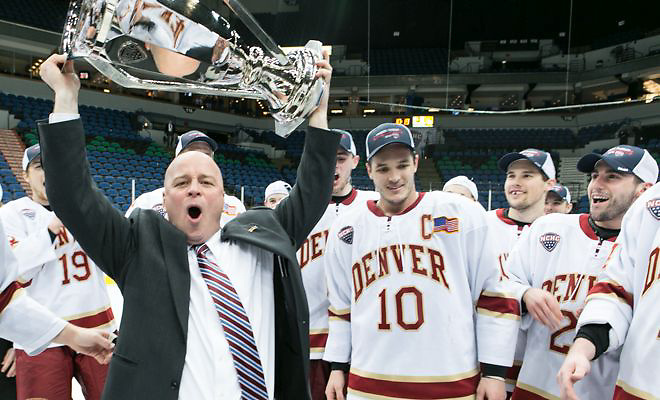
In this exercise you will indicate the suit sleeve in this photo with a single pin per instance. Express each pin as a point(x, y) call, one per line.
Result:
point(309, 197)
point(337, 266)
point(101, 230)
point(497, 309)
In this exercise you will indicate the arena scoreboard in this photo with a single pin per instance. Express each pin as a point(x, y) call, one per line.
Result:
point(417, 121)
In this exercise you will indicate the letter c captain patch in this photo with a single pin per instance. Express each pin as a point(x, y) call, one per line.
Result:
point(654, 207)
point(549, 240)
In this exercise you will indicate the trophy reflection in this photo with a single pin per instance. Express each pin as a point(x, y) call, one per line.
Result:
point(187, 46)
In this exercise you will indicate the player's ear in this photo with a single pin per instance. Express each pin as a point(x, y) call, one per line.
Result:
point(549, 183)
point(356, 161)
point(415, 160)
point(368, 165)
point(641, 188)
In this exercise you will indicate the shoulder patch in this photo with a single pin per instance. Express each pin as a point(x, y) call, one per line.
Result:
point(28, 212)
point(346, 234)
point(445, 224)
point(549, 240)
point(654, 207)
point(160, 209)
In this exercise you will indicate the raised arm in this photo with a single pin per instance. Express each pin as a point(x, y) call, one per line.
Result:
point(100, 229)
point(309, 197)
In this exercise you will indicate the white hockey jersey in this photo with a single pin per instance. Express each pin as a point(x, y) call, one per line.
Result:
point(561, 254)
point(22, 320)
point(403, 292)
point(627, 295)
point(58, 274)
point(506, 232)
point(310, 258)
point(154, 201)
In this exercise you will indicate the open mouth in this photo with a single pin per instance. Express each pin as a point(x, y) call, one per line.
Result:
point(336, 177)
point(599, 198)
point(194, 212)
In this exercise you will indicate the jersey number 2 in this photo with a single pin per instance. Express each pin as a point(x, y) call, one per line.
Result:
point(398, 297)
point(79, 261)
point(572, 323)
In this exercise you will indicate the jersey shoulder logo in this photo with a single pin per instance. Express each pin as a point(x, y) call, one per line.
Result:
point(28, 212)
point(346, 234)
point(445, 224)
point(654, 207)
point(229, 210)
point(160, 209)
point(549, 240)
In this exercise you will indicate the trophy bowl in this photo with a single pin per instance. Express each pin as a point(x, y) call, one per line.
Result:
point(188, 46)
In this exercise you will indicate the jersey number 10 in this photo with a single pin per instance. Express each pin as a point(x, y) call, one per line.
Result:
point(405, 324)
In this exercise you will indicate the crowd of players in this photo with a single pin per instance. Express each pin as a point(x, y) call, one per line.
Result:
point(411, 295)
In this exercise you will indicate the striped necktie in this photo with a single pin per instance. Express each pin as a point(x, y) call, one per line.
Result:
point(236, 326)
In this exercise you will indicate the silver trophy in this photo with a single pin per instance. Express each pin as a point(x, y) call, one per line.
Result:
point(188, 46)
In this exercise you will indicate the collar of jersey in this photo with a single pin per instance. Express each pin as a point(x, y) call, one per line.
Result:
point(595, 232)
point(345, 200)
point(373, 207)
point(503, 214)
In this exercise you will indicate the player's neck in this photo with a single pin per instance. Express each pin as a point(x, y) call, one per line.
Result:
point(345, 191)
point(612, 224)
point(529, 214)
point(38, 200)
point(390, 209)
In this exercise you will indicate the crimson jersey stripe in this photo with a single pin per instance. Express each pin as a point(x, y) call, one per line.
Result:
point(522, 394)
point(499, 304)
point(414, 390)
point(7, 294)
point(608, 288)
point(318, 339)
point(345, 317)
point(620, 394)
point(92, 321)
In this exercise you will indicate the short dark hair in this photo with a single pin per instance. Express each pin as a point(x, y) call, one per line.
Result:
point(413, 153)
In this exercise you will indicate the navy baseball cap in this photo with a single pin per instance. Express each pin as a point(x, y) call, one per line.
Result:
point(30, 154)
point(346, 142)
point(385, 134)
point(193, 136)
point(623, 158)
point(562, 191)
point(541, 159)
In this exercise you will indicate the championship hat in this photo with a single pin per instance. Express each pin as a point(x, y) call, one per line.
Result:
point(464, 181)
point(541, 159)
point(562, 191)
point(623, 158)
point(30, 154)
point(346, 142)
point(277, 187)
point(193, 136)
point(385, 134)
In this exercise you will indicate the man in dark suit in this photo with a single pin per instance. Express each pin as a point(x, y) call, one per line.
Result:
point(177, 340)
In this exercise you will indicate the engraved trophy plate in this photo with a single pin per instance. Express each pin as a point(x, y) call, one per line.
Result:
point(187, 46)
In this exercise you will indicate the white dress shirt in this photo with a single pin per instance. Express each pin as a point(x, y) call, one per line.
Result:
point(209, 372)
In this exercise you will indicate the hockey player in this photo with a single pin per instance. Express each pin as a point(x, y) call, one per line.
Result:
point(609, 320)
point(558, 200)
point(404, 274)
point(556, 262)
point(189, 141)
point(57, 273)
point(311, 254)
point(529, 175)
point(462, 185)
point(276, 192)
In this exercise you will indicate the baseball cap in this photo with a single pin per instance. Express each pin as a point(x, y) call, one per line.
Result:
point(562, 191)
point(346, 142)
point(277, 187)
point(385, 134)
point(540, 158)
point(30, 154)
point(193, 136)
point(623, 158)
point(464, 181)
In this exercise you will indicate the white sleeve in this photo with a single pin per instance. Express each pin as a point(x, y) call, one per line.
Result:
point(611, 299)
point(31, 250)
point(517, 265)
point(22, 320)
point(497, 309)
point(337, 266)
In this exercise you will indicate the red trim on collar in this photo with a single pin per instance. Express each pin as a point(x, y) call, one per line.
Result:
point(373, 207)
point(351, 197)
point(588, 230)
point(500, 214)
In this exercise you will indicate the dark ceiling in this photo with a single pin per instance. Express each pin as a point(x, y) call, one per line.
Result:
point(425, 23)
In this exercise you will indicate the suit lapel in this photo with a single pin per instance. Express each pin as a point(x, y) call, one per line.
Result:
point(176, 259)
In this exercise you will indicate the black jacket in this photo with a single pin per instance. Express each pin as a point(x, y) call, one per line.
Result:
point(147, 257)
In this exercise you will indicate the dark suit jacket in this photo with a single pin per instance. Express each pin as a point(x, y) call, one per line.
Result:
point(146, 256)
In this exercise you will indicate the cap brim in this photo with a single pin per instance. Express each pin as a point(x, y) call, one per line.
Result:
point(587, 163)
point(208, 140)
point(507, 159)
point(379, 148)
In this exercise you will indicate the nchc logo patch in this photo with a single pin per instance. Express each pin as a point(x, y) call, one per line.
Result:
point(654, 208)
point(445, 224)
point(549, 240)
point(346, 234)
